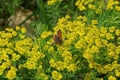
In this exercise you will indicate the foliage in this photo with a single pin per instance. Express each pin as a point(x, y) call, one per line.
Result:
point(89, 47)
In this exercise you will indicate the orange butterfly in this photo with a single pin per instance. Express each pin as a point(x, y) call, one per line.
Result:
point(58, 38)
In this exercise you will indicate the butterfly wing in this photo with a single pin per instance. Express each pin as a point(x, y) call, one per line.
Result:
point(56, 39)
point(59, 33)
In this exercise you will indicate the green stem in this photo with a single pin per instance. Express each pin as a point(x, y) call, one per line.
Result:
point(41, 9)
point(72, 5)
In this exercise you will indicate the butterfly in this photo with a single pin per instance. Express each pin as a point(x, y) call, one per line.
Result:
point(58, 38)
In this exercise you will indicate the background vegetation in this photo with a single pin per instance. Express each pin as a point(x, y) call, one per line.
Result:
point(59, 40)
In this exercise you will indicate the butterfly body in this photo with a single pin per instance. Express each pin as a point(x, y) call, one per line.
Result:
point(58, 38)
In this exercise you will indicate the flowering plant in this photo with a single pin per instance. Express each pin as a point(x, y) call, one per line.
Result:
point(82, 47)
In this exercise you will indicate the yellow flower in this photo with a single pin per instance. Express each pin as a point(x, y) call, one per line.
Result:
point(117, 32)
point(112, 78)
point(15, 57)
point(52, 62)
point(22, 36)
point(20, 66)
point(84, 18)
point(94, 22)
point(102, 35)
point(56, 75)
point(100, 69)
point(23, 29)
point(13, 68)
point(112, 29)
point(82, 3)
point(5, 57)
point(88, 39)
point(101, 79)
point(3, 34)
point(117, 2)
point(117, 8)
point(98, 11)
point(41, 55)
point(51, 49)
point(17, 28)
point(35, 47)
point(107, 68)
point(20, 49)
point(98, 42)
point(30, 65)
point(104, 42)
point(78, 45)
point(9, 29)
point(111, 47)
point(46, 34)
point(109, 36)
point(91, 6)
point(67, 16)
point(116, 57)
point(14, 33)
point(111, 54)
point(11, 74)
point(6, 64)
point(118, 40)
point(51, 2)
point(91, 65)
point(43, 76)
point(71, 67)
point(2, 68)
point(3, 41)
point(66, 53)
point(117, 50)
point(117, 73)
point(68, 59)
point(82, 8)
point(81, 43)
point(59, 65)
point(87, 54)
point(94, 49)
point(110, 4)
point(103, 30)
point(8, 35)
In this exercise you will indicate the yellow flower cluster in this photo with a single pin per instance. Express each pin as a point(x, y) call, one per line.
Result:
point(17, 53)
point(99, 46)
point(98, 6)
point(83, 45)
point(66, 64)
point(112, 78)
point(11, 74)
point(51, 2)
point(31, 63)
point(112, 3)
point(81, 4)
point(46, 34)
point(56, 75)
